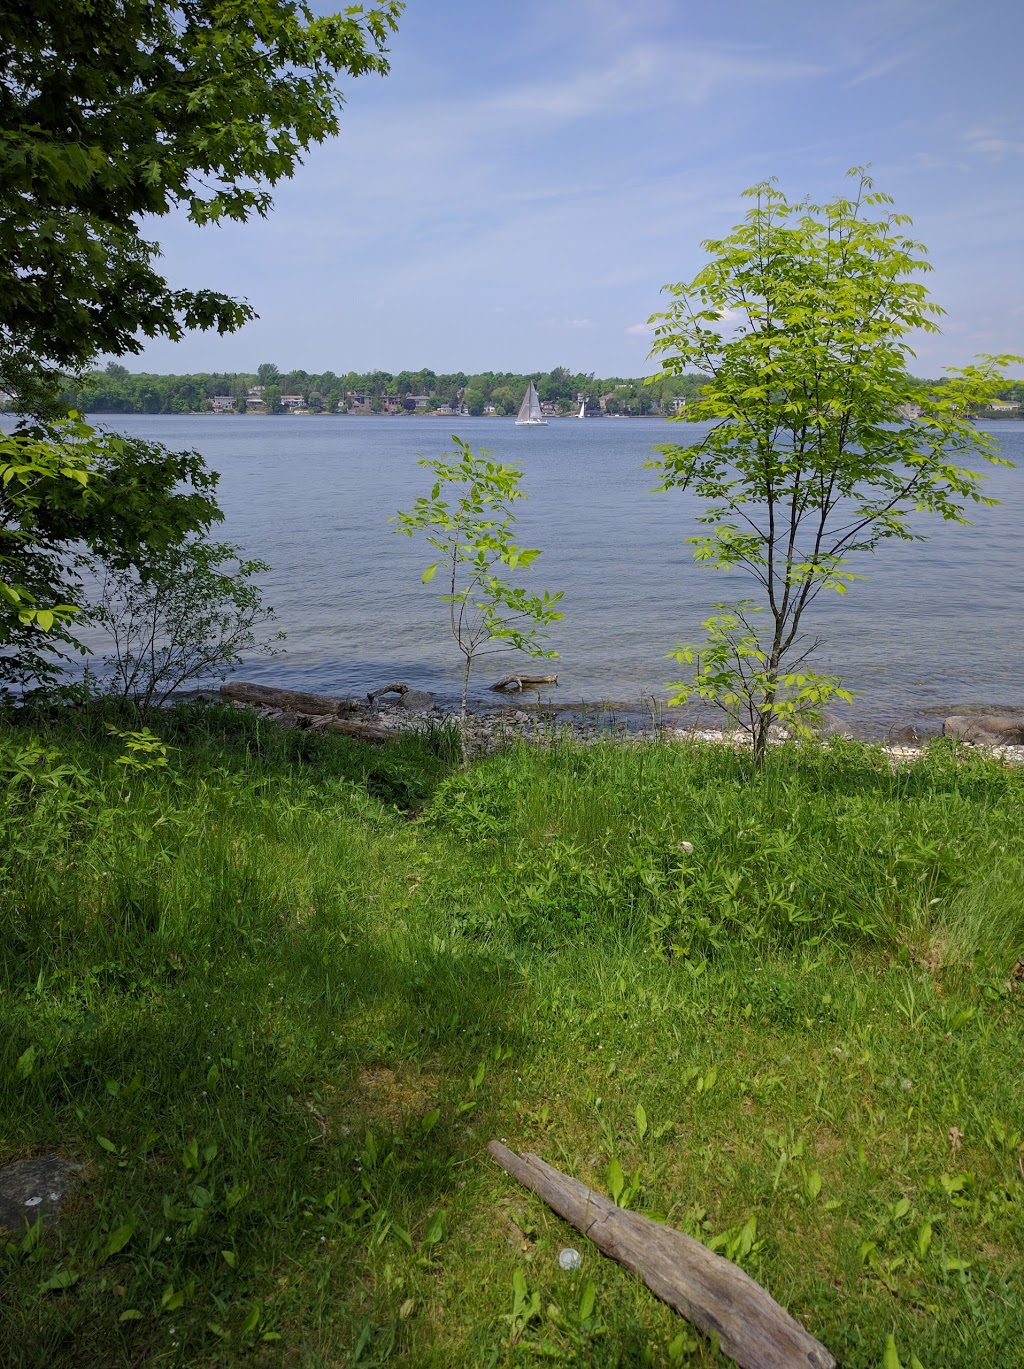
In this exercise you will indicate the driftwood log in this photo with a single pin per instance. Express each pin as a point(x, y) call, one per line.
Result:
point(414, 700)
point(708, 1290)
point(396, 687)
point(366, 732)
point(290, 700)
point(523, 681)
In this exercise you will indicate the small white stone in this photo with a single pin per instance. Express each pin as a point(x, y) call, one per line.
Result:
point(33, 1202)
point(569, 1259)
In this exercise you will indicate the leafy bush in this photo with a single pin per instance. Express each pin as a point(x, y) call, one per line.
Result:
point(188, 613)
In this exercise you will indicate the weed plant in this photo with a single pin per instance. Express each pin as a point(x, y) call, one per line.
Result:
point(274, 992)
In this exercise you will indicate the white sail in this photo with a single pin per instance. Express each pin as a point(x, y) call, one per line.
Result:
point(529, 411)
point(583, 409)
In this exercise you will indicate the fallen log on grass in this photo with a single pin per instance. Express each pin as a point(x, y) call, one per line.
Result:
point(290, 700)
point(706, 1289)
point(365, 732)
point(524, 681)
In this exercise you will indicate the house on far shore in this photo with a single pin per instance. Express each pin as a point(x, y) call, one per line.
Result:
point(255, 405)
point(415, 403)
point(223, 404)
point(490, 409)
point(289, 403)
point(677, 405)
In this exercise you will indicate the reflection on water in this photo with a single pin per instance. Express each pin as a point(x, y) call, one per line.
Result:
point(936, 624)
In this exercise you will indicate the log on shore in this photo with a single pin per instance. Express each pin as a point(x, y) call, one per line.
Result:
point(524, 681)
point(396, 687)
point(706, 1289)
point(414, 700)
point(290, 700)
point(366, 732)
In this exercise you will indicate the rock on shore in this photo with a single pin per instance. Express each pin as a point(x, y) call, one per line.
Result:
point(985, 729)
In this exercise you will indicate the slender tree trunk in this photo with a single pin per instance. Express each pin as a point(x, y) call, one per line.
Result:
point(462, 715)
point(766, 713)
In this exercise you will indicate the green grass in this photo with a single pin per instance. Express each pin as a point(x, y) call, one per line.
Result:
point(276, 996)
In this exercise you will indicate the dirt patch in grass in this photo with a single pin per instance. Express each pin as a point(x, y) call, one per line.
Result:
point(382, 1097)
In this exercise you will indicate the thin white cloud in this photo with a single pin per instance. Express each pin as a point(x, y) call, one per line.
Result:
point(993, 146)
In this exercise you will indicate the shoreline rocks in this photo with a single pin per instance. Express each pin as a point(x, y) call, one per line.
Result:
point(379, 718)
point(992, 729)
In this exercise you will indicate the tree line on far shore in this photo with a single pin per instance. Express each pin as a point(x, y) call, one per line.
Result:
point(117, 390)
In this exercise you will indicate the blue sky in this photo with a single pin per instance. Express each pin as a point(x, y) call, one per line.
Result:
point(516, 192)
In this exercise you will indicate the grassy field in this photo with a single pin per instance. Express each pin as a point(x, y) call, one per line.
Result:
point(276, 994)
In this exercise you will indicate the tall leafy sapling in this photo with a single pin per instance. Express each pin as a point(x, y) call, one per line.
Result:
point(821, 445)
point(467, 518)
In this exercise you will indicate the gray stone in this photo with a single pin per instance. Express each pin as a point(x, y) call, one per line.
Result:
point(907, 735)
point(34, 1187)
point(416, 701)
point(985, 729)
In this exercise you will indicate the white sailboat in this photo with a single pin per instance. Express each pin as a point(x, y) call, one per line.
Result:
point(529, 415)
point(583, 407)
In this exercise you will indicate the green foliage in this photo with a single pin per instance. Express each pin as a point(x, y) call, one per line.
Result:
point(70, 501)
point(800, 321)
point(187, 613)
point(467, 518)
point(242, 994)
point(687, 850)
point(114, 113)
point(733, 672)
point(36, 473)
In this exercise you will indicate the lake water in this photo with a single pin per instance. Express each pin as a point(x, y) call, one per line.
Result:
point(936, 625)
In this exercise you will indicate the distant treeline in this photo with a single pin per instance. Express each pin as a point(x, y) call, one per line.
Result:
point(268, 389)
point(117, 390)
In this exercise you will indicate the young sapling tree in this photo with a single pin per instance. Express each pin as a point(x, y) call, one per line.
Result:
point(187, 613)
point(467, 518)
point(821, 445)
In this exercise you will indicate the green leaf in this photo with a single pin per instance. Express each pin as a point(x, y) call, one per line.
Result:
point(230, 1258)
point(428, 574)
point(132, 1314)
point(117, 1240)
point(891, 1359)
point(924, 1239)
point(107, 1145)
point(435, 1228)
point(616, 1180)
point(64, 1278)
point(812, 1183)
point(587, 1300)
point(641, 1121)
point(25, 1063)
point(430, 1120)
